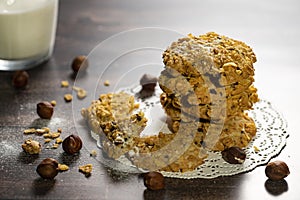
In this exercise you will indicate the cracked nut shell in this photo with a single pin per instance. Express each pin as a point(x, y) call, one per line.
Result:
point(277, 170)
point(234, 155)
point(154, 181)
point(72, 144)
point(48, 168)
point(45, 110)
point(31, 146)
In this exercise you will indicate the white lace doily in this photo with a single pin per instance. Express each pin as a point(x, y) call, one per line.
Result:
point(270, 139)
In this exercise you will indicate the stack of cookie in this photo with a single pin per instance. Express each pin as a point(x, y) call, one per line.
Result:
point(208, 80)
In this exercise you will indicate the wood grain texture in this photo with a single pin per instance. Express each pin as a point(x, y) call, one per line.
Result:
point(269, 27)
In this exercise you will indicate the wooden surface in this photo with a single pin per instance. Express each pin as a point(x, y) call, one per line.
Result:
point(270, 27)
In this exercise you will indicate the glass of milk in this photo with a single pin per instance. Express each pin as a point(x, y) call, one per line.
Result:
point(27, 32)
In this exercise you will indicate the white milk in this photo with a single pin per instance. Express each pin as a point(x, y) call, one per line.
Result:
point(27, 28)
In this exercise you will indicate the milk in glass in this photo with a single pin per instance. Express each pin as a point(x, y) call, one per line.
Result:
point(27, 32)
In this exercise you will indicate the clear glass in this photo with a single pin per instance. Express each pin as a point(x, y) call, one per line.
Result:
point(27, 32)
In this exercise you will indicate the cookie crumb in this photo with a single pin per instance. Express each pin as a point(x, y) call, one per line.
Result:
point(31, 146)
point(106, 83)
point(47, 130)
point(55, 135)
point(81, 93)
point(68, 97)
point(93, 153)
point(58, 140)
point(47, 140)
point(64, 84)
point(256, 149)
point(86, 169)
point(29, 131)
point(55, 146)
point(53, 103)
point(47, 135)
point(63, 167)
point(40, 131)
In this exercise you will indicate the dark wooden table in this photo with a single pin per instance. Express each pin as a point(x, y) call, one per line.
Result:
point(270, 27)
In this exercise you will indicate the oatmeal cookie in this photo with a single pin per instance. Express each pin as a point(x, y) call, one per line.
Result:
point(236, 131)
point(174, 152)
point(113, 114)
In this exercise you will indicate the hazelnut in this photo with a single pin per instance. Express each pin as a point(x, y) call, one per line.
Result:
point(31, 146)
point(234, 155)
point(148, 82)
point(79, 62)
point(20, 79)
point(72, 144)
point(45, 110)
point(154, 181)
point(277, 170)
point(48, 168)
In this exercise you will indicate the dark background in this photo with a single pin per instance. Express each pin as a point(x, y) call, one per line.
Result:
point(270, 27)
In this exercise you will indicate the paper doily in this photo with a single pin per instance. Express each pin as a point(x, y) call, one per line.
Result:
point(270, 139)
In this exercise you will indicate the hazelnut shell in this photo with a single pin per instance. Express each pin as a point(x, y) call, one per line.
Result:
point(79, 63)
point(277, 170)
point(234, 155)
point(72, 144)
point(45, 110)
point(154, 180)
point(20, 79)
point(48, 168)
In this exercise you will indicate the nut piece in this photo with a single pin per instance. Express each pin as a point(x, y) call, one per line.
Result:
point(79, 62)
point(55, 135)
point(154, 181)
point(72, 144)
point(44, 110)
point(31, 146)
point(277, 170)
point(63, 167)
point(48, 168)
point(93, 153)
point(64, 83)
point(47, 140)
point(53, 103)
point(55, 146)
point(68, 97)
point(234, 155)
point(20, 79)
point(106, 83)
point(29, 131)
point(81, 93)
point(256, 149)
point(58, 140)
point(86, 169)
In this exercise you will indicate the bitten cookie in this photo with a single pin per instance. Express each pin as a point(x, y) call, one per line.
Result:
point(113, 115)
